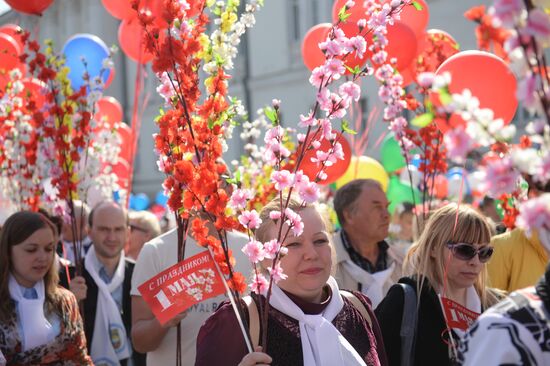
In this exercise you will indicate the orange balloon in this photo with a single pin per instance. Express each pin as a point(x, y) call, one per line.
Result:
point(351, 60)
point(9, 51)
point(311, 54)
point(13, 31)
point(487, 77)
point(32, 7)
point(401, 44)
point(417, 20)
point(120, 9)
point(131, 39)
point(125, 133)
point(109, 111)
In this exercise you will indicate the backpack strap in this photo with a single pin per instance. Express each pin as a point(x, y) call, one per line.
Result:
point(358, 305)
point(253, 320)
point(408, 324)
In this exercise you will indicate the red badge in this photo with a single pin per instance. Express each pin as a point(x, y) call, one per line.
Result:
point(181, 286)
point(457, 315)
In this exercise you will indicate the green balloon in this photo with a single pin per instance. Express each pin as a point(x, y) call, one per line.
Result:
point(399, 192)
point(390, 154)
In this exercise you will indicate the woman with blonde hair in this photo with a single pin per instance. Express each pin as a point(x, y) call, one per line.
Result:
point(39, 321)
point(448, 280)
point(310, 321)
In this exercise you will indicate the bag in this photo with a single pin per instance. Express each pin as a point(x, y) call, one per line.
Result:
point(254, 317)
point(408, 324)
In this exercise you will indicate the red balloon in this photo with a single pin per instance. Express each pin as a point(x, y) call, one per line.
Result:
point(311, 54)
point(417, 20)
point(334, 171)
point(109, 111)
point(32, 7)
point(351, 60)
point(130, 38)
point(401, 44)
point(408, 76)
point(357, 11)
point(13, 31)
point(34, 90)
point(110, 78)
point(122, 170)
point(9, 51)
point(126, 144)
point(434, 47)
point(120, 9)
point(487, 77)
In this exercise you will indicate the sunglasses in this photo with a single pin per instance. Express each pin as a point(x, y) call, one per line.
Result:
point(466, 251)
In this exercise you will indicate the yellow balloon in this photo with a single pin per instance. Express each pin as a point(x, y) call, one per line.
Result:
point(364, 167)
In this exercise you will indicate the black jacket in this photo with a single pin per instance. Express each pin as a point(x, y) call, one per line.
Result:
point(430, 347)
point(90, 306)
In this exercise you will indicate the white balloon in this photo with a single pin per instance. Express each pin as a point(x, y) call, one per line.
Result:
point(415, 175)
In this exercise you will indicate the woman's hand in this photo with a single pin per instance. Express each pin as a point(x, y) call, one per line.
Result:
point(78, 288)
point(257, 358)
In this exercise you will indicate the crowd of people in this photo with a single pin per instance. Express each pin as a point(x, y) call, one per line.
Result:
point(437, 288)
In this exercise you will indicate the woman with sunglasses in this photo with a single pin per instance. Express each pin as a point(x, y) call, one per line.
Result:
point(447, 266)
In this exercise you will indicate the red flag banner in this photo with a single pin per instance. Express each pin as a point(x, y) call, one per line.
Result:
point(181, 286)
point(457, 315)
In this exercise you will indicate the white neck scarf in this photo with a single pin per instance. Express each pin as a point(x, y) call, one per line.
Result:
point(110, 342)
point(37, 330)
point(322, 343)
point(473, 303)
point(372, 284)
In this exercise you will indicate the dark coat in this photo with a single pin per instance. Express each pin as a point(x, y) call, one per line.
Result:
point(90, 305)
point(430, 348)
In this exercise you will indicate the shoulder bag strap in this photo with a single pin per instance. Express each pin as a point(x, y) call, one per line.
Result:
point(358, 305)
point(253, 320)
point(408, 325)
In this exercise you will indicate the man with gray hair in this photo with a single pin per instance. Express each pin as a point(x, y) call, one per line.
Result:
point(365, 262)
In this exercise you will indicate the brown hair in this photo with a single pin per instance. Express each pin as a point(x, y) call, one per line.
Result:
point(17, 228)
point(471, 227)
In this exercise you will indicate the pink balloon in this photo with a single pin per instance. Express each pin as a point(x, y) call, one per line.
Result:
point(402, 44)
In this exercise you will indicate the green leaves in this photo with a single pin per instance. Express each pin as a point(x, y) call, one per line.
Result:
point(343, 15)
point(271, 115)
point(422, 120)
point(355, 71)
point(417, 5)
point(236, 179)
point(345, 128)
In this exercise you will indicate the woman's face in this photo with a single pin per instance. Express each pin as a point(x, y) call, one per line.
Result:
point(462, 273)
point(32, 258)
point(308, 261)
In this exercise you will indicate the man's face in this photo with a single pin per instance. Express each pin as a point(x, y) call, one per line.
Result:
point(109, 231)
point(368, 217)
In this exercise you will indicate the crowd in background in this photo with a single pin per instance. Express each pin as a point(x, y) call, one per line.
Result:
point(373, 292)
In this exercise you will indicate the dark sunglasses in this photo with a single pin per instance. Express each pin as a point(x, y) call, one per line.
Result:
point(137, 228)
point(466, 251)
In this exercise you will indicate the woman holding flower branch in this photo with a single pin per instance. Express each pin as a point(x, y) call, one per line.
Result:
point(311, 322)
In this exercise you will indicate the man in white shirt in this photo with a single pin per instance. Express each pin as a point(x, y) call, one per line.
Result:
point(147, 334)
point(365, 261)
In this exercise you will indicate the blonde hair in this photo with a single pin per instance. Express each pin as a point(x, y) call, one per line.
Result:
point(426, 257)
point(147, 219)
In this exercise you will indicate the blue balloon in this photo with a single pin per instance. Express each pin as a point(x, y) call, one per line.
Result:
point(161, 199)
point(86, 48)
point(139, 202)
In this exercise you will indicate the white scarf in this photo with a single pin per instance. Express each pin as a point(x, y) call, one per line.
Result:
point(322, 343)
point(110, 342)
point(473, 303)
point(372, 284)
point(37, 330)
